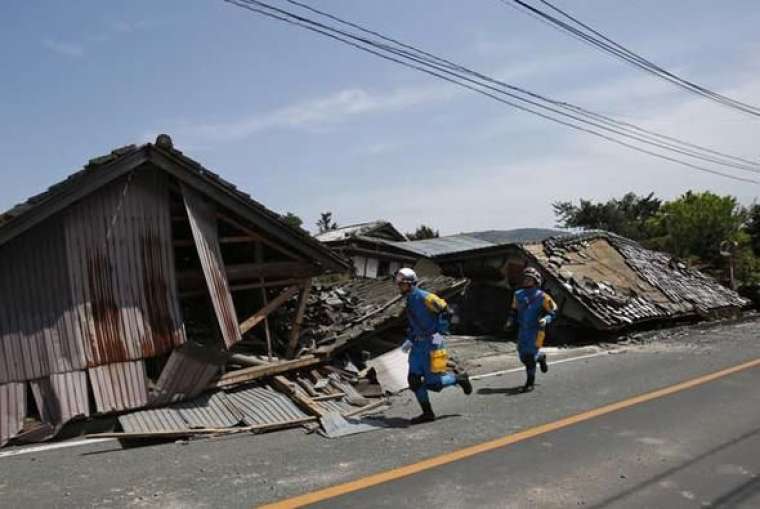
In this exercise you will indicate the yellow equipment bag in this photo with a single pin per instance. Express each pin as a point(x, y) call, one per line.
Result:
point(439, 360)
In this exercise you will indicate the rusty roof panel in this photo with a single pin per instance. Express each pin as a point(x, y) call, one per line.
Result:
point(264, 405)
point(204, 226)
point(12, 410)
point(119, 386)
point(61, 397)
point(187, 373)
point(122, 269)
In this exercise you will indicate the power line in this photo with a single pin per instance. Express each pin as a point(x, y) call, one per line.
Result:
point(651, 136)
point(596, 39)
point(407, 59)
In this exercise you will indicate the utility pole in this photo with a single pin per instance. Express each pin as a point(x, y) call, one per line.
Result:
point(728, 249)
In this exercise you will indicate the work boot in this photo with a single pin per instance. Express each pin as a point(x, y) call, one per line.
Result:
point(529, 384)
point(463, 380)
point(542, 363)
point(527, 388)
point(427, 414)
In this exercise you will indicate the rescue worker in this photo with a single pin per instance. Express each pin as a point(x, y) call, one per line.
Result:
point(427, 324)
point(532, 311)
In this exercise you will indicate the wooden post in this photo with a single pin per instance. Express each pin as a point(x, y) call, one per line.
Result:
point(260, 259)
point(262, 313)
point(295, 334)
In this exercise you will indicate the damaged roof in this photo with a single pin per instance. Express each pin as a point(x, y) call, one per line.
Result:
point(465, 242)
point(376, 229)
point(104, 169)
point(621, 283)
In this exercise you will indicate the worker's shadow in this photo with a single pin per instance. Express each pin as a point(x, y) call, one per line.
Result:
point(509, 391)
point(401, 422)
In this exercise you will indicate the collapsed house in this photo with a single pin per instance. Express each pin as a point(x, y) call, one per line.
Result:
point(600, 281)
point(369, 247)
point(145, 285)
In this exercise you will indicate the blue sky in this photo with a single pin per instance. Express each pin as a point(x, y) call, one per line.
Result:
point(305, 124)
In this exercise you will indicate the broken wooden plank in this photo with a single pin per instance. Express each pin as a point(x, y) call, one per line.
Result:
point(297, 395)
point(295, 334)
point(262, 313)
point(257, 428)
point(253, 373)
point(366, 408)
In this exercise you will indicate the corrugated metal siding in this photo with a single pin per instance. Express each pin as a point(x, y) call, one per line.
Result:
point(203, 223)
point(39, 331)
point(119, 386)
point(61, 397)
point(122, 270)
point(213, 410)
point(156, 419)
point(187, 373)
point(263, 405)
point(208, 411)
point(12, 410)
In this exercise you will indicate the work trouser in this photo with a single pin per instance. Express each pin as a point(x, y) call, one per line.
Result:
point(529, 350)
point(421, 379)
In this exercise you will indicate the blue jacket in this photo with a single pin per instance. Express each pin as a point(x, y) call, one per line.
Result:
point(530, 305)
point(425, 312)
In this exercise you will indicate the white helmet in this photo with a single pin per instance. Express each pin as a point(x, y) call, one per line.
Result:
point(534, 274)
point(406, 275)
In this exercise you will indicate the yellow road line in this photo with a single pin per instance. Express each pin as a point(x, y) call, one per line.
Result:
point(443, 459)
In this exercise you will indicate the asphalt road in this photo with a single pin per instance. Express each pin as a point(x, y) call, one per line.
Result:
point(685, 449)
point(696, 448)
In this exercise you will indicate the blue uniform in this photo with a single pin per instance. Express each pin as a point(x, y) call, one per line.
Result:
point(425, 313)
point(529, 305)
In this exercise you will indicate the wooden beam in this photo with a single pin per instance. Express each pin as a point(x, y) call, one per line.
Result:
point(262, 313)
point(256, 428)
point(249, 272)
point(298, 396)
point(254, 373)
point(252, 233)
point(222, 240)
point(295, 333)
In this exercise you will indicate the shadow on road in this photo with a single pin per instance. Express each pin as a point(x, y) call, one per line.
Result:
point(509, 391)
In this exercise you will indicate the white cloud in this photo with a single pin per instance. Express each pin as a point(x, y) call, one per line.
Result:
point(68, 49)
point(320, 112)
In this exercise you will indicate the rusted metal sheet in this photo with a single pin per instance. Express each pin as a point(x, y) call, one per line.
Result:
point(187, 373)
point(12, 410)
point(122, 270)
point(61, 397)
point(119, 386)
point(202, 216)
point(264, 405)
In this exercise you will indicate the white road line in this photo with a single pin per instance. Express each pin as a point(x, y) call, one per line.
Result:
point(515, 370)
point(50, 447)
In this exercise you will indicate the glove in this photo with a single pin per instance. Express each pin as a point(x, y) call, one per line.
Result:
point(543, 322)
point(406, 347)
point(510, 323)
point(437, 339)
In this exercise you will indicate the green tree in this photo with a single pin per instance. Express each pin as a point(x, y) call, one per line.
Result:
point(695, 224)
point(628, 216)
point(423, 232)
point(753, 228)
point(326, 222)
point(293, 220)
